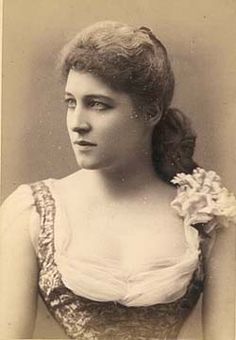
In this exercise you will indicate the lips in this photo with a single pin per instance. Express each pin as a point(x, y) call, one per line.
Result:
point(84, 143)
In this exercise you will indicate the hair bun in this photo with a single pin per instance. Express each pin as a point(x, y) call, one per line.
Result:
point(173, 145)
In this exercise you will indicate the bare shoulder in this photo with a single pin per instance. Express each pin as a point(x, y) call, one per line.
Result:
point(18, 275)
point(73, 191)
point(78, 179)
point(223, 253)
point(162, 197)
point(219, 287)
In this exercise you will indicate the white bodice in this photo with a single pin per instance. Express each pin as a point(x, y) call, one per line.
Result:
point(100, 279)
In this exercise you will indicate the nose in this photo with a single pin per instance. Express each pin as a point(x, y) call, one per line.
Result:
point(79, 121)
point(81, 128)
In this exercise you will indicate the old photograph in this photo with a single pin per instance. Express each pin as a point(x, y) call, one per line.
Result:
point(118, 161)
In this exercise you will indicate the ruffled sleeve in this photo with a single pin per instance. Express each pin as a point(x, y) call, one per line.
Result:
point(203, 202)
point(20, 202)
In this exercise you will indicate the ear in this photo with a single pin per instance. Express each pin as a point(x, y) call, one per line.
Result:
point(153, 119)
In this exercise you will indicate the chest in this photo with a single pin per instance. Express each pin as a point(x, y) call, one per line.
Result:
point(132, 236)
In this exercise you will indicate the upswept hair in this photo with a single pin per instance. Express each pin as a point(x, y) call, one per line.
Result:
point(134, 61)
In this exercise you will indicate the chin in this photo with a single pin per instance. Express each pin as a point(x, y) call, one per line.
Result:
point(89, 161)
point(90, 164)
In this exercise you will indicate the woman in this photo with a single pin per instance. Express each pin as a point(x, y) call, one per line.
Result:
point(110, 256)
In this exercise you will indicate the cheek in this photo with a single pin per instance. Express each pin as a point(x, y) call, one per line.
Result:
point(123, 138)
point(68, 124)
point(120, 129)
point(114, 130)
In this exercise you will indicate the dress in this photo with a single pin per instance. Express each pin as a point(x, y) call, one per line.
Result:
point(114, 318)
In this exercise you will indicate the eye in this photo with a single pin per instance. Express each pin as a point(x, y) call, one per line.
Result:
point(98, 105)
point(70, 103)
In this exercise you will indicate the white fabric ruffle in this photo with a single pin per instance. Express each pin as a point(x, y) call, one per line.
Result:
point(198, 198)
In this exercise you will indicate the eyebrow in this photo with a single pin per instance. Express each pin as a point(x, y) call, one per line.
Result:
point(97, 96)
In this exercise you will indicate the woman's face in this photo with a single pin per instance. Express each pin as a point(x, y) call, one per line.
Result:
point(104, 130)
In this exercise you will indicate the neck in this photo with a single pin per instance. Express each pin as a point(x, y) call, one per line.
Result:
point(137, 177)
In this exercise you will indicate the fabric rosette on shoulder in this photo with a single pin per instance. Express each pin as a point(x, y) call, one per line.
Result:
point(201, 198)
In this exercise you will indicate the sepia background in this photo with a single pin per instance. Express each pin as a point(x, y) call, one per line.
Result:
point(200, 38)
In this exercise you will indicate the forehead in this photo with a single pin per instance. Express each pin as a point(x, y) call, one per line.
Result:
point(83, 83)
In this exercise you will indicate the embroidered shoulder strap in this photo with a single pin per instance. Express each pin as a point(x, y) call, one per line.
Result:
point(45, 206)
